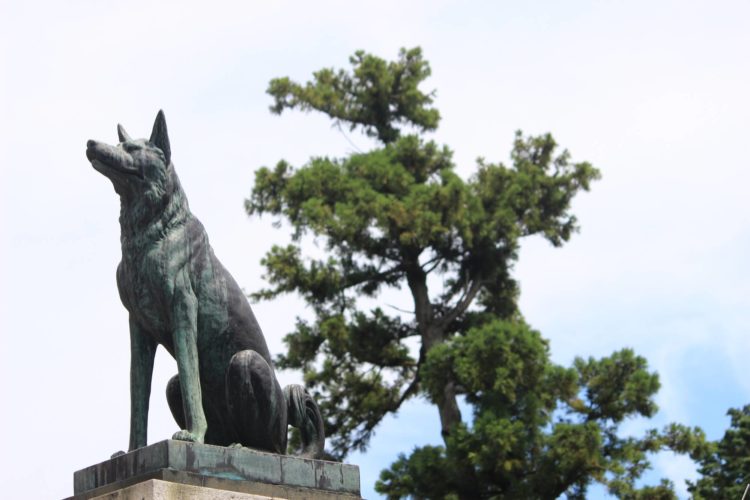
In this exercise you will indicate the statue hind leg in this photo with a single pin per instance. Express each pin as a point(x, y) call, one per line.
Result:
point(174, 400)
point(256, 404)
point(219, 432)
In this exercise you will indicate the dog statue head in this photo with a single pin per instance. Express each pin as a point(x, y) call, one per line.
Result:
point(141, 170)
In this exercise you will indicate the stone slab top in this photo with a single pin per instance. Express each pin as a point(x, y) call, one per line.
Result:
point(238, 464)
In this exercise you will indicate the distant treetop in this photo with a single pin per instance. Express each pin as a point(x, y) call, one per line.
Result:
point(376, 95)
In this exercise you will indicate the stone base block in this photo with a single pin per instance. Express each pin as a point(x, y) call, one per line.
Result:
point(154, 489)
point(192, 469)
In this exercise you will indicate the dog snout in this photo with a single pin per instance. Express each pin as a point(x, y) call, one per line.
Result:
point(90, 145)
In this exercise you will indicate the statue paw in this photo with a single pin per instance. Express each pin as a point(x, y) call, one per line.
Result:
point(117, 454)
point(235, 445)
point(184, 435)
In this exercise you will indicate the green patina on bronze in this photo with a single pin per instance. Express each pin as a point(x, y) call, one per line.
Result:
point(180, 296)
point(235, 469)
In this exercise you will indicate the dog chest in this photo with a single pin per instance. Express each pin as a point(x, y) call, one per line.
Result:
point(146, 290)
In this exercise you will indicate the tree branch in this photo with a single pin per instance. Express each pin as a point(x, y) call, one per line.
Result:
point(366, 276)
point(435, 261)
point(463, 303)
point(400, 310)
point(409, 390)
point(364, 434)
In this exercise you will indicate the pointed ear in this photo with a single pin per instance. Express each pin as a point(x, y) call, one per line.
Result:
point(121, 134)
point(159, 137)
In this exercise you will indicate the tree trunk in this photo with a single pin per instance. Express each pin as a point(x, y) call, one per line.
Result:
point(450, 415)
point(432, 335)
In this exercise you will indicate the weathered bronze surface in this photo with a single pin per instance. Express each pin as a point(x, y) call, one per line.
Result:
point(180, 296)
point(232, 469)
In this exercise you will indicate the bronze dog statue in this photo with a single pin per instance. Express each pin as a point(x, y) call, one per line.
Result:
point(180, 296)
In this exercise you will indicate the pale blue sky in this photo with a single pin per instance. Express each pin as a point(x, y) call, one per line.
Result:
point(652, 93)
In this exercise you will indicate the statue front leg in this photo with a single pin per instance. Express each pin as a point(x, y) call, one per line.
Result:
point(185, 338)
point(142, 351)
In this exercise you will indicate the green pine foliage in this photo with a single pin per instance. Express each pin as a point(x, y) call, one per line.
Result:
point(725, 465)
point(376, 96)
point(539, 430)
point(399, 214)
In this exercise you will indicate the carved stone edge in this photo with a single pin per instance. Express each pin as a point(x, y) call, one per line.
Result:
point(228, 466)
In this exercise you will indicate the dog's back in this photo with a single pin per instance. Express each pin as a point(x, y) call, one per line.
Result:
point(223, 310)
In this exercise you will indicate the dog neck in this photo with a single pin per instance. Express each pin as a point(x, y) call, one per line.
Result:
point(147, 219)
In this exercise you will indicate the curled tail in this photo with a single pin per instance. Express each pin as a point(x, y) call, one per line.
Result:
point(303, 413)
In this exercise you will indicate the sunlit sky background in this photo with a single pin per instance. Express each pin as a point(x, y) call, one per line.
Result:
point(654, 93)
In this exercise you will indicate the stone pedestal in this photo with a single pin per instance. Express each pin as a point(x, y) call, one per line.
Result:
point(181, 470)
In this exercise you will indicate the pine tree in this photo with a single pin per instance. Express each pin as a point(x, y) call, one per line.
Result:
point(399, 216)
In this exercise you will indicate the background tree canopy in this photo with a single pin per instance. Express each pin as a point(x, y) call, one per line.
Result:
point(725, 465)
point(398, 216)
